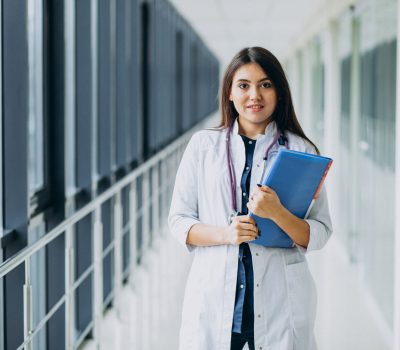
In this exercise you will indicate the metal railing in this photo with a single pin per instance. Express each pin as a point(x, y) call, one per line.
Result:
point(149, 187)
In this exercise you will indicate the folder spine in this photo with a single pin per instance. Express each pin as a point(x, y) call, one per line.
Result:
point(322, 180)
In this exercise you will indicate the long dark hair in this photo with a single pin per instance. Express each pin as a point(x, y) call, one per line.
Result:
point(284, 115)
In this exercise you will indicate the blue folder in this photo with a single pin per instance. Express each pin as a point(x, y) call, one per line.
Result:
point(296, 177)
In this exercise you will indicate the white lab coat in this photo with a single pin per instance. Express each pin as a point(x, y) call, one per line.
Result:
point(284, 291)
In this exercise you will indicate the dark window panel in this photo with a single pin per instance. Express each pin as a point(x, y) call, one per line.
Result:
point(83, 95)
point(14, 300)
point(15, 117)
point(54, 81)
point(83, 245)
point(83, 259)
point(194, 80)
point(53, 84)
point(84, 311)
point(146, 92)
point(106, 214)
point(14, 138)
point(56, 330)
point(125, 206)
point(108, 275)
point(133, 98)
point(125, 251)
point(107, 223)
point(179, 83)
point(187, 85)
point(55, 289)
point(104, 90)
point(157, 128)
point(122, 84)
point(139, 219)
point(130, 34)
point(55, 268)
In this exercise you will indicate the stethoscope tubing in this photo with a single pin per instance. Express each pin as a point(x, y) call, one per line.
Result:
point(279, 137)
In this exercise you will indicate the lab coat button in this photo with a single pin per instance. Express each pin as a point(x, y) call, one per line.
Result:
point(244, 194)
point(258, 284)
point(259, 316)
point(257, 254)
point(260, 348)
point(241, 286)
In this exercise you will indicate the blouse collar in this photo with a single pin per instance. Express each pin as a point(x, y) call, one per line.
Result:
point(270, 130)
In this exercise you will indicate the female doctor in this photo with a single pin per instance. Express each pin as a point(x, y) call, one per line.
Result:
point(239, 293)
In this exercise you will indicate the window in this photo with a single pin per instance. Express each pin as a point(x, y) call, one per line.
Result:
point(35, 104)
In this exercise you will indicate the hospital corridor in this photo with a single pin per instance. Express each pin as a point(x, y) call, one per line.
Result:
point(109, 108)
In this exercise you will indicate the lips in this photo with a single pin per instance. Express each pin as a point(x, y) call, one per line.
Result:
point(256, 107)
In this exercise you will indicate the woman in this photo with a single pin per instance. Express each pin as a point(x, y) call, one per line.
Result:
point(237, 292)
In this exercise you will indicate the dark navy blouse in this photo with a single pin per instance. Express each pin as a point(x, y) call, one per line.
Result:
point(243, 317)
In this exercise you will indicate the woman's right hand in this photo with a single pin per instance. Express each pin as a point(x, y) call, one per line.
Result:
point(242, 229)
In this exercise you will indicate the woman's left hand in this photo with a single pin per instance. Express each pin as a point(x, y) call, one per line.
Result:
point(264, 202)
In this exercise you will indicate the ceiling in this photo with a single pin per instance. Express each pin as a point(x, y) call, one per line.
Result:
point(229, 25)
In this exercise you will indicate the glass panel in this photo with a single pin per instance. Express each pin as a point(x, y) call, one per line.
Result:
point(104, 88)
point(376, 152)
point(126, 226)
point(108, 273)
point(35, 113)
point(162, 209)
point(344, 53)
point(108, 259)
point(139, 218)
point(150, 207)
point(38, 281)
point(317, 86)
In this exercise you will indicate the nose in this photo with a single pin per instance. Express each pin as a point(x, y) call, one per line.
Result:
point(254, 93)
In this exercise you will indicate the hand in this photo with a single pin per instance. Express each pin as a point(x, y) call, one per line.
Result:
point(265, 203)
point(242, 229)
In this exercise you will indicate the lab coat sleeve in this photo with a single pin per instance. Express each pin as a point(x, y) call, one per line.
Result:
point(183, 212)
point(320, 223)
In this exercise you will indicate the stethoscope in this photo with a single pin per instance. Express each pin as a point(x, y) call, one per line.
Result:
point(279, 137)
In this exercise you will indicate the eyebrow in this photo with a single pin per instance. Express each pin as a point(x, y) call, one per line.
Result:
point(248, 81)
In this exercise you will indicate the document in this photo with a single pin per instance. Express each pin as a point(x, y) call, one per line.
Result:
point(297, 178)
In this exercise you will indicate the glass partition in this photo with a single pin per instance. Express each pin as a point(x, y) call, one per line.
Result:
point(376, 151)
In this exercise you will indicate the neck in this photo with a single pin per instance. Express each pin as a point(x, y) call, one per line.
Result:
point(251, 130)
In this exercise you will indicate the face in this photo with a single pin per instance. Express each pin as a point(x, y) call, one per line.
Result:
point(253, 95)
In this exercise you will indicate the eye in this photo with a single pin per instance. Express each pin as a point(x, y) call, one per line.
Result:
point(243, 85)
point(266, 85)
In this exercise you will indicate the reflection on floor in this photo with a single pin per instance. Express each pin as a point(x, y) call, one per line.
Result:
point(347, 319)
point(148, 314)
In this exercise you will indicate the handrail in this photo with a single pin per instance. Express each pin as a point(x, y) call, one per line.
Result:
point(11, 263)
point(166, 159)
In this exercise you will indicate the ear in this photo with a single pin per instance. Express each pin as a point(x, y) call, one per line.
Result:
point(230, 97)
